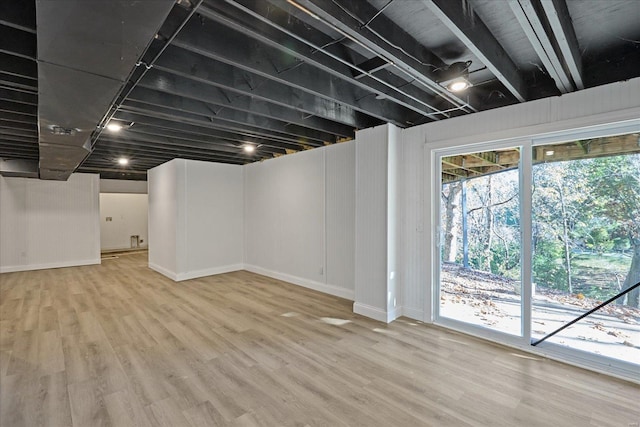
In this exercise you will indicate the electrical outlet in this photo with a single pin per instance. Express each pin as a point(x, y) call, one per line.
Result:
point(109, 219)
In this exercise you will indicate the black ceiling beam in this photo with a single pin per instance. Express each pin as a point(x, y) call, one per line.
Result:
point(19, 14)
point(231, 119)
point(142, 133)
point(18, 96)
point(560, 21)
point(16, 138)
point(190, 135)
point(18, 125)
point(470, 29)
point(306, 41)
point(17, 42)
point(17, 66)
point(195, 101)
point(18, 82)
point(19, 132)
point(176, 123)
point(413, 59)
point(147, 160)
point(171, 144)
point(130, 146)
point(15, 107)
point(292, 63)
point(532, 19)
point(204, 70)
point(18, 117)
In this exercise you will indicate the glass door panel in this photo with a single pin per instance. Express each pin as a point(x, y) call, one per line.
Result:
point(586, 243)
point(480, 272)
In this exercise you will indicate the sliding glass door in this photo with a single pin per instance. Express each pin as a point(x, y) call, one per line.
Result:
point(586, 243)
point(575, 201)
point(480, 240)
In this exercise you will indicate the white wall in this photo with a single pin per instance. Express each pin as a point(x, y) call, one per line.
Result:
point(49, 224)
point(614, 103)
point(299, 218)
point(378, 252)
point(129, 217)
point(213, 219)
point(163, 218)
point(195, 218)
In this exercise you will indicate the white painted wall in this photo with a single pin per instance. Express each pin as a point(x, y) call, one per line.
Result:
point(163, 218)
point(195, 218)
point(129, 217)
point(299, 218)
point(378, 195)
point(49, 224)
point(586, 109)
point(213, 219)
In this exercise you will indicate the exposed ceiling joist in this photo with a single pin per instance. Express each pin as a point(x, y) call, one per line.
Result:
point(476, 36)
point(198, 72)
point(385, 45)
point(532, 19)
point(560, 21)
point(212, 99)
point(307, 61)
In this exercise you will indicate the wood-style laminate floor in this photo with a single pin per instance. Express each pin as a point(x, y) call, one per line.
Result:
point(120, 345)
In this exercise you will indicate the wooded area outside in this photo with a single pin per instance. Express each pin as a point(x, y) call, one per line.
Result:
point(586, 238)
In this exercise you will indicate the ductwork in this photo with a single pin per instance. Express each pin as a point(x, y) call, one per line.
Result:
point(86, 52)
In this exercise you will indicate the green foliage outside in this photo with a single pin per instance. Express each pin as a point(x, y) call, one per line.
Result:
point(585, 219)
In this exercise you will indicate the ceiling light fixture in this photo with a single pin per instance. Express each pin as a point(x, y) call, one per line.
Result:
point(549, 152)
point(114, 127)
point(456, 77)
point(458, 84)
point(123, 161)
point(249, 148)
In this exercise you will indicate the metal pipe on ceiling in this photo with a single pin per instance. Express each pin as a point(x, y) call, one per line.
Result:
point(205, 10)
point(429, 84)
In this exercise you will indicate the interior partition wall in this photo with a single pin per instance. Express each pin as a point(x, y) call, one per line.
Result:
point(550, 202)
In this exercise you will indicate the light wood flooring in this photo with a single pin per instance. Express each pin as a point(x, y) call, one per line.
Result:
point(120, 345)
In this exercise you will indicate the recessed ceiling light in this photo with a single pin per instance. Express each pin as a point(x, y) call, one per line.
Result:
point(114, 127)
point(549, 152)
point(249, 148)
point(123, 161)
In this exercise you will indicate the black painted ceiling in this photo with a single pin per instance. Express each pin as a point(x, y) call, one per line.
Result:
point(285, 76)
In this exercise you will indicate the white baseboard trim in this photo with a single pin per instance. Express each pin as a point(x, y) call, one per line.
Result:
point(306, 283)
point(375, 313)
point(168, 273)
point(61, 264)
point(208, 272)
point(412, 313)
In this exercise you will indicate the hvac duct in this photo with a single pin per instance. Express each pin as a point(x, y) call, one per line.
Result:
point(86, 52)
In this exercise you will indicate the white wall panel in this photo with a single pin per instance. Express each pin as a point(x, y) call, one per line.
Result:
point(289, 203)
point(213, 214)
point(300, 193)
point(261, 215)
point(371, 218)
point(163, 218)
point(340, 160)
point(129, 217)
point(614, 103)
point(413, 245)
point(48, 224)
